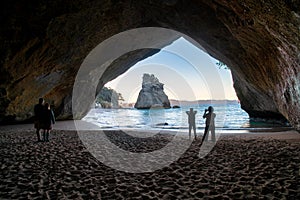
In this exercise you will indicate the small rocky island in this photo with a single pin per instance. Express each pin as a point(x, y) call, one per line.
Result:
point(152, 94)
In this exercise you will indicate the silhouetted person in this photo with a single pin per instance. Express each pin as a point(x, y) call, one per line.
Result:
point(191, 119)
point(209, 124)
point(48, 120)
point(38, 113)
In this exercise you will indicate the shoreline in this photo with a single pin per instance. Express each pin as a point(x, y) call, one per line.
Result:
point(239, 166)
point(279, 133)
point(84, 125)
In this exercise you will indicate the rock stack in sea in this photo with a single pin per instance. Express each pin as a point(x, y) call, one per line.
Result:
point(152, 94)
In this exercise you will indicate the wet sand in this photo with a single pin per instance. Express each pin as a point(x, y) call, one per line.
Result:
point(240, 166)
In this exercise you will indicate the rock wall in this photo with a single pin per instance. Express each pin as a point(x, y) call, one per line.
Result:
point(43, 44)
point(152, 94)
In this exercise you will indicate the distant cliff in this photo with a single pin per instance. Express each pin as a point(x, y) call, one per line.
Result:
point(152, 94)
point(109, 98)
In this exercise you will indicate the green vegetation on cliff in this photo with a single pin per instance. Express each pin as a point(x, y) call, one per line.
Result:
point(109, 98)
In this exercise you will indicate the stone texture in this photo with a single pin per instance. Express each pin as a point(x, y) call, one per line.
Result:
point(152, 94)
point(43, 44)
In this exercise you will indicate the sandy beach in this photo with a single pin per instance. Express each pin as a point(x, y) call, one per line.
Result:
point(240, 166)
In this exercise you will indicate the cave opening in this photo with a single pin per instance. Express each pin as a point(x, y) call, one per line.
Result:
point(188, 75)
point(176, 64)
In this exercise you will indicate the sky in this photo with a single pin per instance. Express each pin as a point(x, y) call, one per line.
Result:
point(187, 72)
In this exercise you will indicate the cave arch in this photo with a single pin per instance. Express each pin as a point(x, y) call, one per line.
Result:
point(43, 48)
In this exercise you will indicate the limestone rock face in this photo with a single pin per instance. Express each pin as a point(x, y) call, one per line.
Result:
point(44, 43)
point(152, 94)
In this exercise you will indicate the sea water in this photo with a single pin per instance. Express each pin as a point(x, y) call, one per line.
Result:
point(229, 117)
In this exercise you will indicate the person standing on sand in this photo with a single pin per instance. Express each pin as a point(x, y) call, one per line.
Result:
point(38, 112)
point(191, 120)
point(209, 124)
point(48, 120)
